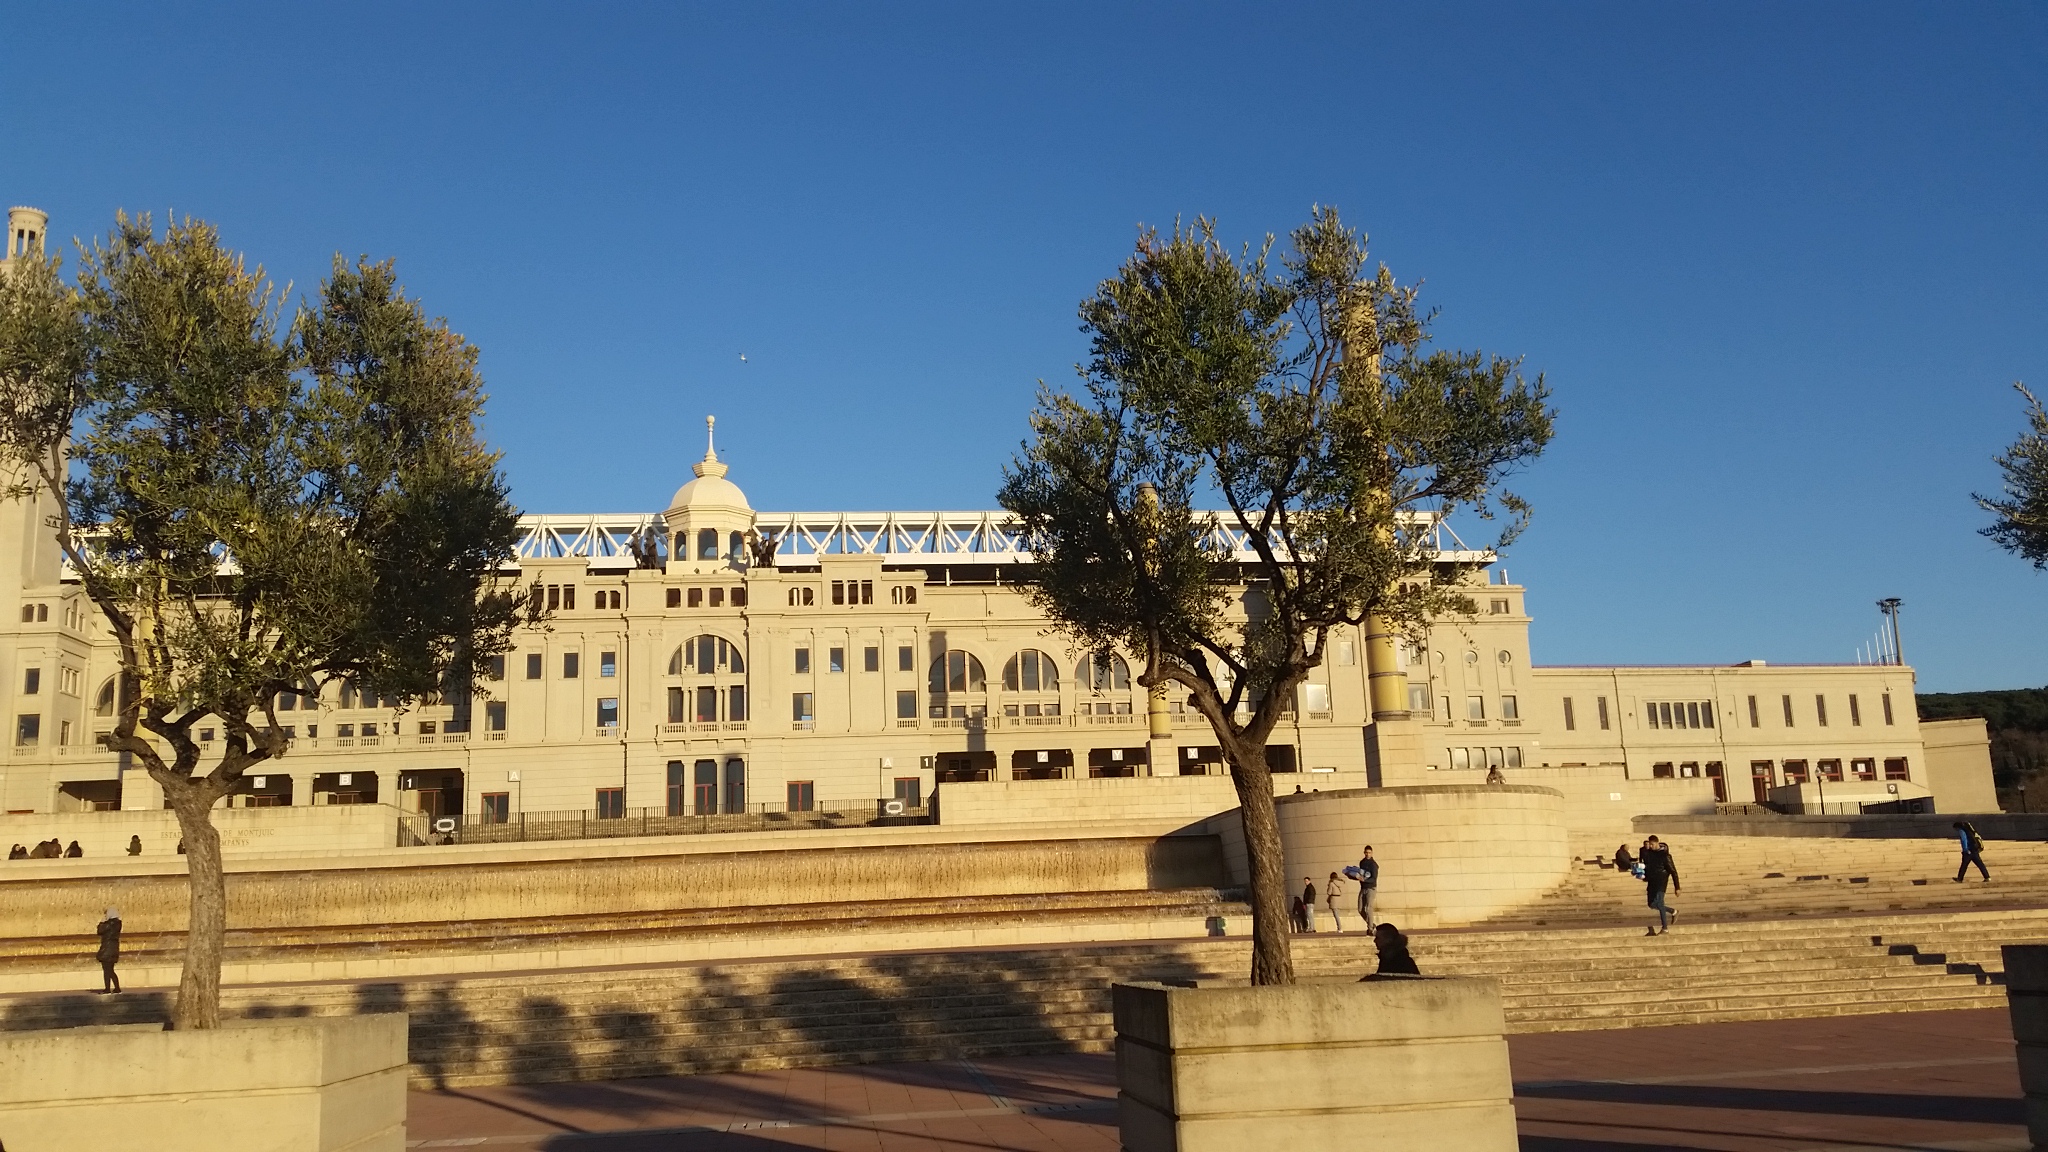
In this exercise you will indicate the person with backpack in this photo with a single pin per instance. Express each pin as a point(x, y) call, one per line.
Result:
point(1368, 877)
point(1973, 851)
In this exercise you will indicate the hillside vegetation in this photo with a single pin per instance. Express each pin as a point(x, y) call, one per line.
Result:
point(2018, 720)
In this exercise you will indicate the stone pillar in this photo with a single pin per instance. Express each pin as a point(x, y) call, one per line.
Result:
point(2026, 996)
point(1393, 1065)
point(302, 789)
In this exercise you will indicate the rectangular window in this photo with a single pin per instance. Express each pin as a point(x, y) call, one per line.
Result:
point(675, 597)
point(532, 667)
point(1863, 769)
point(1895, 768)
point(608, 712)
point(906, 661)
point(494, 716)
point(607, 664)
point(704, 787)
point(1418, 699)
point(1887, 708)
point(1510, 709)
point(675, 706)
point(611, 803)
point(340, 730)
point(1514, 758)
point(1602, 702)
point(1795, 771)
point(28, 729)
point(497, 807)
point(568, 597)
point(718, 597)
point(906, 705)
point(554, 597)
point(1706, 714)
point(835, 660)
point(801, 796)
point(1570, 724)
point(1787, 702)
point(1664, 715)
point(800, 706)
point(1475, 707)
point(739, 597)
point(707, 705)
point(1498, 607)
point(1315, 697)
point(1753, 722)
point(736, 702)
point(1692, 714)
point(1830, 770)
point(803, 661)
point(496, 669)
point(867, 591)
point(1347, 653)
point(1820, 709)
point(1495, 757)
point(571, 665)
point(32, 682)
point(839, 592)
point(1855, 712)
point(1664, 771)
point(696, 597)
point(1461, 758)
point(910, 790)
point(427, 727)
point(871, 659)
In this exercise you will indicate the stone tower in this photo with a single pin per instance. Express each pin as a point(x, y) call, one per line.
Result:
point(25, 231)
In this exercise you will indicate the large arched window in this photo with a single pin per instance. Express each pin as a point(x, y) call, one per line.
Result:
point(957, 671)
point(103, 704)
point(707, 544)
point(706, 656)
point(1104, 672)
point(1031, 671)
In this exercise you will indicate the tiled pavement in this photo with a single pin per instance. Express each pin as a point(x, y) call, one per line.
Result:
point(1919, 1080)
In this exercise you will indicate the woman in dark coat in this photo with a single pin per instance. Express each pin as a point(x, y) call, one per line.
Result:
point(1393, 947)
point(110, 951)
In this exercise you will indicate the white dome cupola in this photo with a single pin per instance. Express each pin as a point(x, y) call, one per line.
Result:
point(709, 517)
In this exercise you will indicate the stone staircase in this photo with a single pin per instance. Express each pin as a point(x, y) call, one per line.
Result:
point(1757, 877)
point(594, 1024)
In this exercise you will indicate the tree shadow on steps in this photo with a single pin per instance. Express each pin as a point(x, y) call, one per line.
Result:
point(457, 1035)
point(79, 1009)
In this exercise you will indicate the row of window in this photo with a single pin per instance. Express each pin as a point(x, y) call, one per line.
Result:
point(848, 593)
point(1766, 774)
point(1674, 714)
point(1484, 758)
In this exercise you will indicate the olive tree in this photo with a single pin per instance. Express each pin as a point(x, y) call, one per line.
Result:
point(256, 502)
point(1304, 400)
point(2021, 526)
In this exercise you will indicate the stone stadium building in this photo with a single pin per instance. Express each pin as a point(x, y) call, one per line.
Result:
point(715, 660)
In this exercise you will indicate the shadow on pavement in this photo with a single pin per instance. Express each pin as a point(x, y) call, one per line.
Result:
point(1901, 1106)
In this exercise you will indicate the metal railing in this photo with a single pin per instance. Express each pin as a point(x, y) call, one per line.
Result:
point(415, 831)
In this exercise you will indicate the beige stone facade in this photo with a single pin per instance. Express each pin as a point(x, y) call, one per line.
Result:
point(870, 667)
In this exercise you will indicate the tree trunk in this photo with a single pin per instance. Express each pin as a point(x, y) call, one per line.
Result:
point(1272, 951)
point(206, 928)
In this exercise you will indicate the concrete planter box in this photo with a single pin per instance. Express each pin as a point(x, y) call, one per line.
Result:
point(310, 1085)
point(1389, 1065)
point(2026, 995)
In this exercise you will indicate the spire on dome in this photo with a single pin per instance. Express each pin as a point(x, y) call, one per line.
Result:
point(709, 466)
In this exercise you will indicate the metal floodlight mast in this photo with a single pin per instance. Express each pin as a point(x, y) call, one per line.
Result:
point(1890, 607)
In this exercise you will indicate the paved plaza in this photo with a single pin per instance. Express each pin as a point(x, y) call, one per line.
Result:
point(1919, 1080)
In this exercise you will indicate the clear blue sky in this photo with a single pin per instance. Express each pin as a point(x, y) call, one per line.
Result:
point(1781, 263)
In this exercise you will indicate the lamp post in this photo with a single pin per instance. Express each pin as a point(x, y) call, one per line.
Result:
point(1890, 607)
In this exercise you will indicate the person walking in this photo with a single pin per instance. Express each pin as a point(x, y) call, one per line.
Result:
point(1659, 871)
point(110, 952)
point(1333, 891)
point(1308, 901)
point(1368, 888)
point(1395, 959)
point(1973, 851)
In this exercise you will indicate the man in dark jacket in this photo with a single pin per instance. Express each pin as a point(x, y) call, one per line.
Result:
point(1308, 902)
point(1368, 889)
point(1973, 851)
point(1658, 872)
point(110, 951)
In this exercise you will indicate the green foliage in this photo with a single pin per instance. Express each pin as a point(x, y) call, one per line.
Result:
point(255, 502)
point(2016, 720)
point(1305, 401)
point(2021, 526)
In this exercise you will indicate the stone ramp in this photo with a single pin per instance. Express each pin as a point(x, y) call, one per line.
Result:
point(609, 1023)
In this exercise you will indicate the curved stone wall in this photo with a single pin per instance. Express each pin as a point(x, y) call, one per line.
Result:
point(1449, 854)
